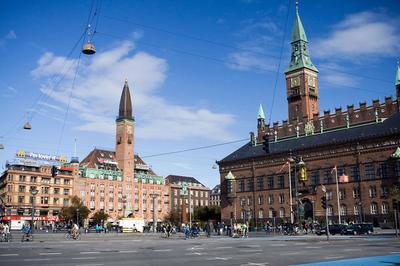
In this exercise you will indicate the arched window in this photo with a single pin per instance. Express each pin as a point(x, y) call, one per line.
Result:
point(357, 209)
point(261, 213)
point(271, 213)
point(282, 212)
point(374, 208)
point(343, 209)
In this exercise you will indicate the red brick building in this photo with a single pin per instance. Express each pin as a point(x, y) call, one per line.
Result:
point(362, 142)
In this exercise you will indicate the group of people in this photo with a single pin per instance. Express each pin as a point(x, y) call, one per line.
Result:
point(4, 231)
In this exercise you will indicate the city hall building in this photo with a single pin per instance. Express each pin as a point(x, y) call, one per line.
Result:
point(359, 146)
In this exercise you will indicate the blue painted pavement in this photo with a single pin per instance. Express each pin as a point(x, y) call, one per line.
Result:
point(364, 261)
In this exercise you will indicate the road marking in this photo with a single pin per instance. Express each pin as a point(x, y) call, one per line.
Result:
point(278, 245)
point(251, 250)
point(90, 252)
point(218, 258)
point(300, 244)
point(127, 251)
point(314, 247)
point(162, 250)
point(84, 258)
point(49, 254)
point(255, 264)
point(194, 248)
point(289, 253)
point(93, 264)
point(222, 247)
point(352, 249)
point(35, 259)
point(8, 255)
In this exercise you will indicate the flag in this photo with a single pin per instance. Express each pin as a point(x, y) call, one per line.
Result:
point(283, 166)
point(344, 178)
point(334, 169)
point(323, 188)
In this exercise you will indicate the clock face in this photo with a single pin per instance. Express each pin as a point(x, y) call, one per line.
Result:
point(295, 82)
point(311, 81)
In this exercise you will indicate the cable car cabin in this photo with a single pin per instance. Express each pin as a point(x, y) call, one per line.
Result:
point(27, 126)
point(1, 146)
point(88, 49)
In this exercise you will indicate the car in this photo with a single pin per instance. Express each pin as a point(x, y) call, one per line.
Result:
point(357, 229)
point(333, 229)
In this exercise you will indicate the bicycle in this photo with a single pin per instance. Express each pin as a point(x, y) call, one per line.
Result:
point(5, 237)
point(69, 236)
point(27, 237)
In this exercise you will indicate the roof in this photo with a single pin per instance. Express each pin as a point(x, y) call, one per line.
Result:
point(398, 74)
point(390, 126)
point(298, 33)
point(98, 157)
point(260, 113)
point(125, 104)
point(174, 179)
point(216, 190)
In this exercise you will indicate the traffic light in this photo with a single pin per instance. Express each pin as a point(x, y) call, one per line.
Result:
point(54, 171)
point(266, 143)
point(323, 202)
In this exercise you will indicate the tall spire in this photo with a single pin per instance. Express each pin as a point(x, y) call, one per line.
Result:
point(261, 113)
point(398, 74)
point(300, 55)
point(125, 104)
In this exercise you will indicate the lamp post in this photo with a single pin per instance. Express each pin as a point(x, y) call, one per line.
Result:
point(153, 196)
point(33, 193)
point(77, 216)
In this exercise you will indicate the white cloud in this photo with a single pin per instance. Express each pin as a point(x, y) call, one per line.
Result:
point(250, 61)
point(9, 36)
point(360, 35)
point(98, 87)
point(335, 75)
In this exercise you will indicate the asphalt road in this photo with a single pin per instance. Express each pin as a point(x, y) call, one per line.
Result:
point(279, 250)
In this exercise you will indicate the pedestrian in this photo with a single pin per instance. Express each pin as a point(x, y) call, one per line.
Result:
point(207, 229)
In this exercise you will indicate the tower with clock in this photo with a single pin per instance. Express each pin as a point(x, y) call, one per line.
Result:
point(301, 77)
point(124, 147)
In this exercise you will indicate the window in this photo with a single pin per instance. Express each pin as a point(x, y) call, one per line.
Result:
point(196, 193)
point(342, 193)
point(372, 191)
point(21, 199)
point(45, 180)
point(68, 182)
point(374, 208)
point(260, 183)
point(250, 184)
point(57, 181)
point(248, 201)
point(356, 193)
point(384, 192)
point(270, 182)
point(44, 200)
point(32, 188)
point(66, 191)
point(357, 210)
point(260, 200)
point(241, 185)
point(397, 169)
point(271, 212)
point(329, 209)
point(21, 189)
point(33, 179)
point(57, 191)
point(385, 208)
point(281, 198)
point(260, 213)
point(383, 171)
point(327, 176)
point(343, 209)
point(315, 178)
point(229, 186)
point(281, 181)
point(329, 195)
point(282, 212)
point(206, 194)
point(354, 173)
point(10, 177)
point(369, 171)
point(270, 199)
point(55, 201)
point(45, 190)
point(21, 178)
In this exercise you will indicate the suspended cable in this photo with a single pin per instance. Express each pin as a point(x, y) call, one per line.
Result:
point(279, 62)
point(194, 149)
point(228, 46)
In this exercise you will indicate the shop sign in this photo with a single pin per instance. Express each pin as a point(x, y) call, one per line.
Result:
point(40, 156)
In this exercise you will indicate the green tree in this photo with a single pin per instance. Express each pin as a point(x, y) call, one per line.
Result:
point(76, 210)
point(174, 216)
point(100, 217)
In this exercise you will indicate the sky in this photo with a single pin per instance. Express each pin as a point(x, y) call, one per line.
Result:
point(197, 72)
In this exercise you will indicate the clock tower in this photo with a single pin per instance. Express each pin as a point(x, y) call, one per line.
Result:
point(301, 77)
point(125, 135)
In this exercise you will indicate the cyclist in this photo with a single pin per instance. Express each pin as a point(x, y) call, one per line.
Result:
point(75, 231)
point(26, 232)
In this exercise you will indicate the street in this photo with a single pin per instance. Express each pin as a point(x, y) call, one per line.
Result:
point(267, 250)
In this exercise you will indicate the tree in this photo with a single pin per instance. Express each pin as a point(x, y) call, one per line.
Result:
point(174, 216)
point(206, 213)
point(100, 216)
point(77, 210)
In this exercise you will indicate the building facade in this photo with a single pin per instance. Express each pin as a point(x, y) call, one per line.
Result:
point(215, 196)
point(197, 193)
point(281, 172)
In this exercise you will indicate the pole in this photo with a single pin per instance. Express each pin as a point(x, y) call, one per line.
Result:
point(395, 221)
point(190, 207)
point(327, 221)
point(77, 217)
point(290, 195)
point(296, 193)
point(33, 212)
point(313, 211)
point(154, 211)
point(337, 195)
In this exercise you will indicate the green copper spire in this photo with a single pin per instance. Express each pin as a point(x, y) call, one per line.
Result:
point(398, 74)
point(261, 113)
point(300, 54)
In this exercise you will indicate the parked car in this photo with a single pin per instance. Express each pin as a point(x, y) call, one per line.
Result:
point(357, 229)
point(333, 229)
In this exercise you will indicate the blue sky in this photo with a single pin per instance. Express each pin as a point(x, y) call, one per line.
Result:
point(197, 71)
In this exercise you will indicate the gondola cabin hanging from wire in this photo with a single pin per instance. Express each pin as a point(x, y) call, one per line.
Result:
point(27, 126)
point(88, 47)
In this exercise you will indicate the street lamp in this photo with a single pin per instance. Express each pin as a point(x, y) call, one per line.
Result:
point(33, 192)
point(123, 205)
point(154, 196)
point(77, 216)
